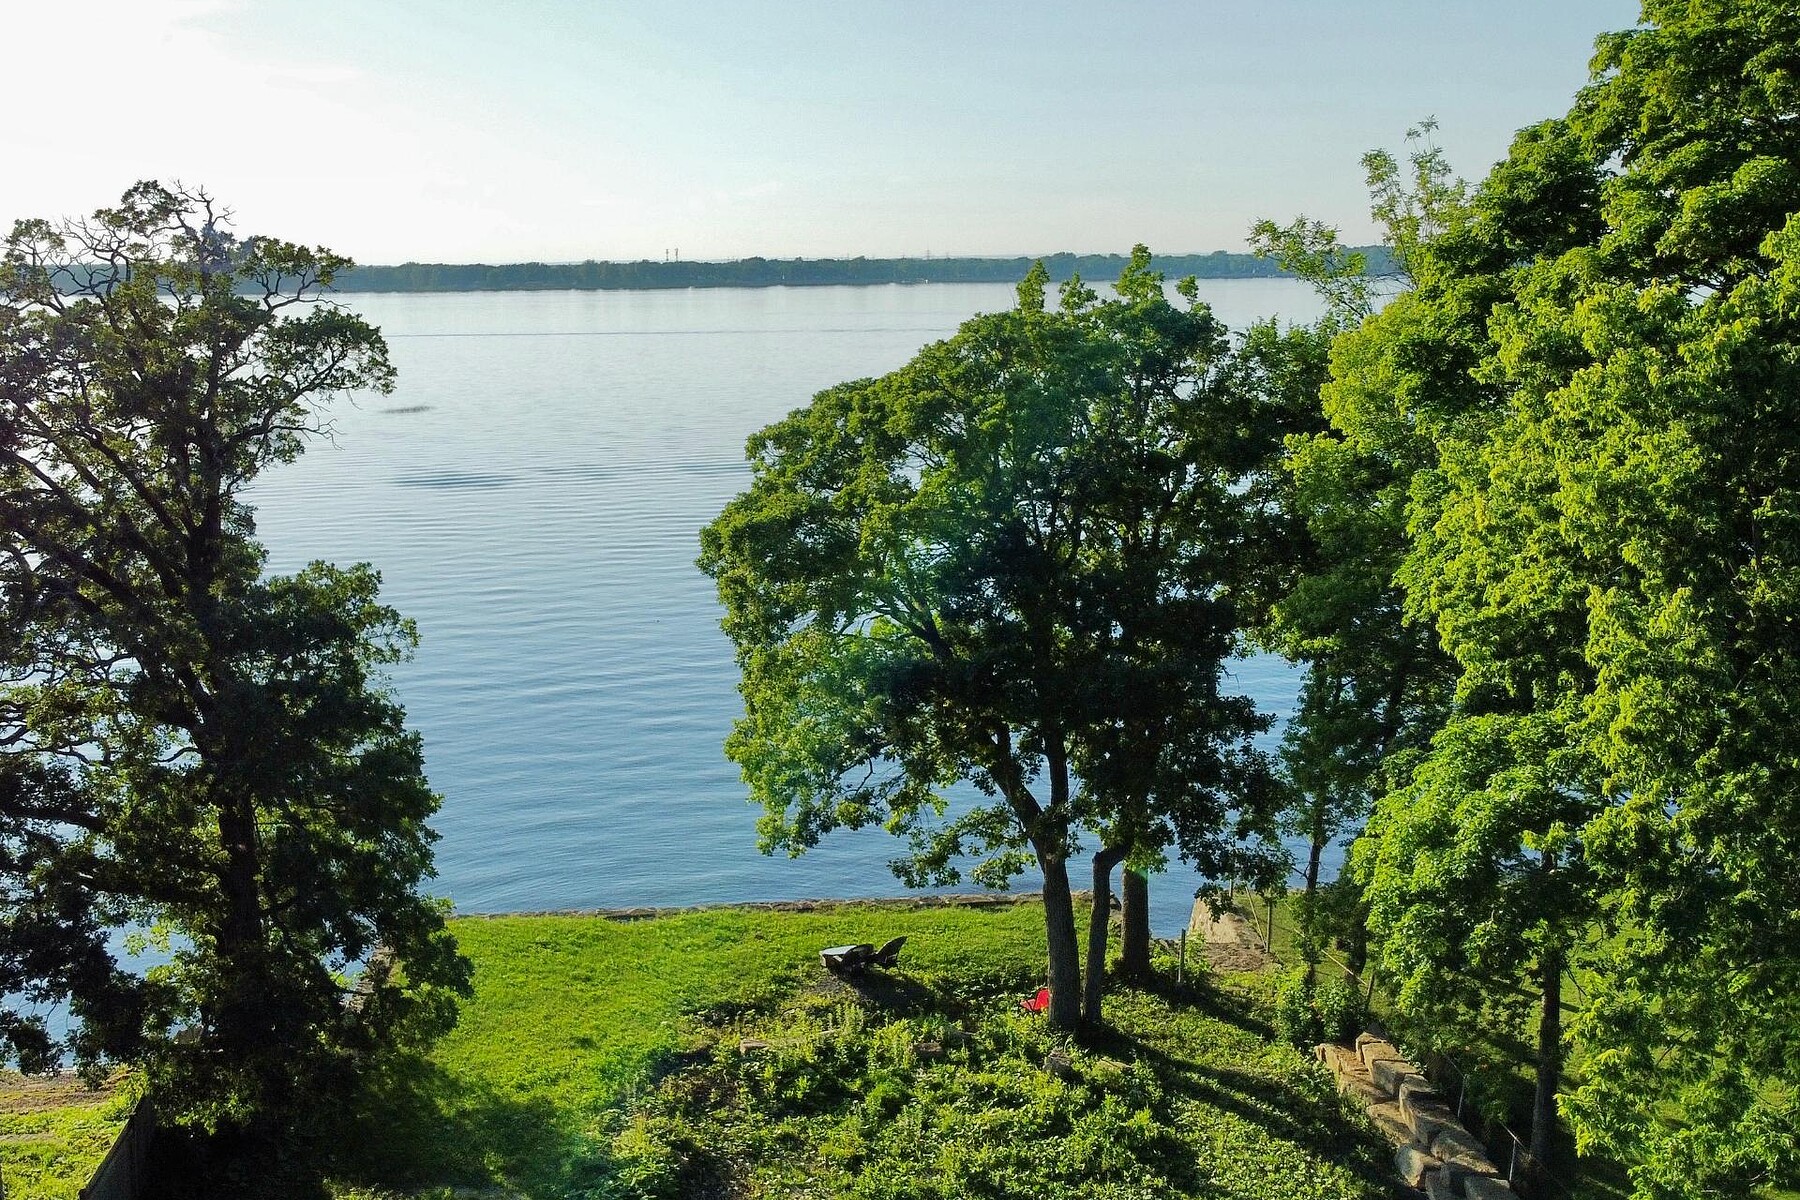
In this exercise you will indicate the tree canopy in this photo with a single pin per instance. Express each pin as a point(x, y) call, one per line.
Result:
point(1580, 407)
point(193, 752)
point(1016, 561)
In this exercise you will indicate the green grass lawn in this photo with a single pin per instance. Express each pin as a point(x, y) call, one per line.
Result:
point(601, 1058)
point(54, 1134)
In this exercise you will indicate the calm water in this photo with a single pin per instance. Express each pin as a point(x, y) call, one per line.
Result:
point(532, 493)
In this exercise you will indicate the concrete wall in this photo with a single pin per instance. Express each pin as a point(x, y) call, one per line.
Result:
point(121, 1173)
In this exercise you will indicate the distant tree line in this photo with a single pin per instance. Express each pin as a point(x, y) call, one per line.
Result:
point(796, 272)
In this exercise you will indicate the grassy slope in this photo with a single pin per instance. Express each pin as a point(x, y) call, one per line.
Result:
point(50, 1145)
point(584, 1033)
point(571, 1015)
point(584, 1008)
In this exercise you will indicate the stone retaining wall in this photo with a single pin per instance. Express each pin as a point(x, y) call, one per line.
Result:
point(1433, 1151)
point(947, 900)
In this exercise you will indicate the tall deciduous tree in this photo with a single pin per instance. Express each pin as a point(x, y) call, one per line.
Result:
point(1652, 367)
point(1015, 561)
point(191, 749)
point(1601, 354)
point(1475, 868)
point(1376, 683)
point(1474, 881)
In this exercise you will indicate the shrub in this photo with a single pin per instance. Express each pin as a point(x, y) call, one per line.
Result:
point(1330, 1011)
point(1296, 1020)
point(1340, 1010)
point(862, 1113)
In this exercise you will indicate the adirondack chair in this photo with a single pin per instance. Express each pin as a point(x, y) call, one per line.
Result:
point(888, 955)
point(843, 960)
point(1037, 1003)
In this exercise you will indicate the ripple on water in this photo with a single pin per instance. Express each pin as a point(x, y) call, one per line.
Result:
point(537, 513)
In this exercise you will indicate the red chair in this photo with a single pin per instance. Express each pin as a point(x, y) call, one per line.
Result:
point(1037, 1003)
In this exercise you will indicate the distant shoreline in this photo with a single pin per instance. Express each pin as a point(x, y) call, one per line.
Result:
point(798, 272)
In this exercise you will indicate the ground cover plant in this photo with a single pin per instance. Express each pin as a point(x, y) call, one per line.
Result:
point(54, 1133)
point(707, 1054)
point(834, 1095)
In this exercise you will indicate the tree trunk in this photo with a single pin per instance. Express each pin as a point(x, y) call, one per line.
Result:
point(1048, 837)
point(1065, 952)
point(1099, 921)
point(1390, 712)
point(240, 929)
point(1549, 1064)
point(1309, 916)
point(1134, 960)
point(1357, 952)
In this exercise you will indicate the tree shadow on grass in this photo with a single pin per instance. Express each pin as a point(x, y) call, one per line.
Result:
point(1306, 1117)
point(888, 992)
point(1210, 996)
point(417, 1126)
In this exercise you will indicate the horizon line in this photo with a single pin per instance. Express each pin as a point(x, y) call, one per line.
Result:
point(671, 262)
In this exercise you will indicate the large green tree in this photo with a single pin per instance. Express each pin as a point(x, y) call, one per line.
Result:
point(1474, 868)
point(1653, 370)
point(1375, 683)
point(1015, 561)
point(1597, 359)
point(192, 751)
point(1473, 882)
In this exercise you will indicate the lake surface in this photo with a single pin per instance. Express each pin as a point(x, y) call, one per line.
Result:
point(532, 493)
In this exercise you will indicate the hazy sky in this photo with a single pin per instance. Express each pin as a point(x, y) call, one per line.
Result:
point(457, 130)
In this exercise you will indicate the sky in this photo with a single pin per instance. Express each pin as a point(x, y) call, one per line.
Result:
point(562, 130)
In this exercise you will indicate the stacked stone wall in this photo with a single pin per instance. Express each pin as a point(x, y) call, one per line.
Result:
point(1433, 1151)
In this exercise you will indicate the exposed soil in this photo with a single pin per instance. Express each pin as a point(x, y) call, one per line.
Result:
point(39, 1093)
point(1228, 942)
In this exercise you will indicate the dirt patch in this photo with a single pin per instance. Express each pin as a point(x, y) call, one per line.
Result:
point(893, 993)
point(1228, 942)
point(1233, 960)
point(43, 1093)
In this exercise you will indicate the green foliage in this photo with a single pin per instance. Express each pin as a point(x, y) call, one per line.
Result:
point(1579, 421)
point(573, 1016)
point(189, 746)
point(1295, 1019)
point(603, 1059)
point(1415, 204)
point(50, 1153)
point(855, 1106)
point(1375, 683)
point(1311, 251)
point(1017, 561)
point(871, 1106)
point(1306, 1012)
point(1342, 1013)
point(1473, 864)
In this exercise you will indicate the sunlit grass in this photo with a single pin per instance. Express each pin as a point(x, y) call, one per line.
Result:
point(573, 1015)
point(590, 1044)
point(49, 1151)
